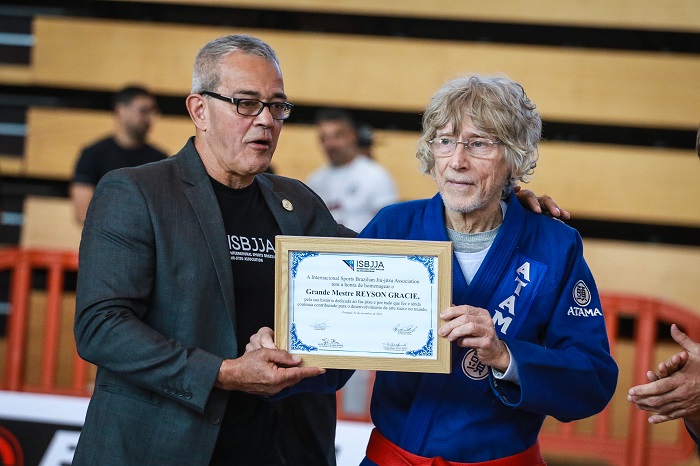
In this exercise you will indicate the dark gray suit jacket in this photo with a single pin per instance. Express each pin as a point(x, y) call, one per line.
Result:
point(155, 312)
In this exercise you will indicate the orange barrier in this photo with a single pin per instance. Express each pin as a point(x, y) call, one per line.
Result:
point(21, 263)
point(633, 445)
point(638, 447)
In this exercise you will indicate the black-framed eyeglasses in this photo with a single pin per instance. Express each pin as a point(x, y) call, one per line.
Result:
point(254, 107)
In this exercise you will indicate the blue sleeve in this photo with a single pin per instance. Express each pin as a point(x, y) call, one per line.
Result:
point(569, 374)
point(330, 382)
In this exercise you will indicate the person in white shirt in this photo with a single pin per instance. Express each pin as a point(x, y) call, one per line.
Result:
point(353, 186)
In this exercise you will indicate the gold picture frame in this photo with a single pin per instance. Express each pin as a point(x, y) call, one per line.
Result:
point(372, 304)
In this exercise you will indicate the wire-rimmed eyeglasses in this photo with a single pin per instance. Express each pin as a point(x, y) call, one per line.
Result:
point(476, 147)
point(254, 107)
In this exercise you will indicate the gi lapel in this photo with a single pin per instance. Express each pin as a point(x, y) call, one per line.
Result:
point(507, 281)
point(515, 280)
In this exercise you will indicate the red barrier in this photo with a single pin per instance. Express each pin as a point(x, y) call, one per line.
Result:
point(636, 448)
point(20, 263)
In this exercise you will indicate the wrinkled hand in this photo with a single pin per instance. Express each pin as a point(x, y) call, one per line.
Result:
point(472, 327)
point(264, 338)
point(674, 391)
point(672, 364)
point(263, 372)
point(543, 204)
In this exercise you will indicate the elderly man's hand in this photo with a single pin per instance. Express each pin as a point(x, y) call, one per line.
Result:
point(472, 327)
point(543, 204)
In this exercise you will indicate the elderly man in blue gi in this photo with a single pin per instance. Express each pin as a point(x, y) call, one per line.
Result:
point(527, 326)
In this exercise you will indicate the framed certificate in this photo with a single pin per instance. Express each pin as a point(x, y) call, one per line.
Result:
point(373, 304)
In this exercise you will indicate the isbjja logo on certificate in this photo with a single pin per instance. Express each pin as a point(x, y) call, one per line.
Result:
point(362, 265)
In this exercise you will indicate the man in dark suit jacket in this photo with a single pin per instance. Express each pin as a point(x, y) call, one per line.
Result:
point(177, 272)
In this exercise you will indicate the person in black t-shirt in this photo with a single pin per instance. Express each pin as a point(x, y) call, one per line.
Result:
point(134, 110)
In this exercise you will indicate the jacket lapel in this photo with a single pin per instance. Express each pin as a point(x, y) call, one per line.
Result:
point(281, 207)
point(201, 196)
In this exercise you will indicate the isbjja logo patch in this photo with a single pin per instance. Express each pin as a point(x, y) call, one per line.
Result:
point(472, 367)
point(581, 293)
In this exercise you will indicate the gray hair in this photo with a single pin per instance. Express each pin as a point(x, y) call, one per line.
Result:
point(496, 105)
point(206, 76)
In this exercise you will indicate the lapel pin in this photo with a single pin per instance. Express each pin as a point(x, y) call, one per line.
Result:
point(287, 205)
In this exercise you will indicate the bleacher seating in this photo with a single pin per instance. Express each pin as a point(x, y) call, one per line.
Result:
point(56, 135)
point(48, 224)
point(601, 86)
point(669, 15)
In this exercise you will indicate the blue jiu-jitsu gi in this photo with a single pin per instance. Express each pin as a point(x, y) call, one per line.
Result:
point(545, 305)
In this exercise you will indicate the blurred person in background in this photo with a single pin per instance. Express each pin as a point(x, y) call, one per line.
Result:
point(365, 139)
point(353, 186)
point(134, 111)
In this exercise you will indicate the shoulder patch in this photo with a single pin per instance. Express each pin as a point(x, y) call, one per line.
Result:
point(581, 293)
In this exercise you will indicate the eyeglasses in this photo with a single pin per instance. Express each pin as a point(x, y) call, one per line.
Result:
point(253, 107)
point(481, 148)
